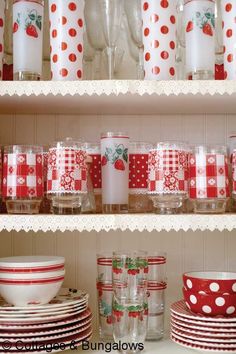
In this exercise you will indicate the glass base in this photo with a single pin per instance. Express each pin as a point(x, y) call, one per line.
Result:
point(209, 206)
point(155, 328)
point(64, 205)
point(202, 75)
point(26, 76)
point(115, 208)
point(23, 206)
point(140, 203)
point(167, 203)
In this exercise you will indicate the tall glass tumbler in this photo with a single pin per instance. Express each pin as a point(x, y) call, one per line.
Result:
point(23, 178)
point(115, 172)
point(27, 39)
point(105, 295)
point(209, 179)
point(199, 22)
point(159, 39)
point(66, 38)
point(228, 9)
point(2, 26)
point(67, 176)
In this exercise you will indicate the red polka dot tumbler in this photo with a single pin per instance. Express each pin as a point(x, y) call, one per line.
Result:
point(228, 8)
point(2, 23)
point(66, 39)
point(159, 39)
point(199, 24)
point(27, 39)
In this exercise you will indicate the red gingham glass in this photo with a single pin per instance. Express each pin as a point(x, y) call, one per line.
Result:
point(67, 176)
point(168, 176)
point(23, 178)
point(209, 179)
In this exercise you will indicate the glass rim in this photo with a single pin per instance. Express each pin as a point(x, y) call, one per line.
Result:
point(187, 1)
point(115, 134)
point(130, 254)
point(210, 149)
point(22, 149)
point(68, 143)
point(171, 145)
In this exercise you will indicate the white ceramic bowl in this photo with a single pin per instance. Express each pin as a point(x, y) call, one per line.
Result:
point(31, 263)
point(24, 276)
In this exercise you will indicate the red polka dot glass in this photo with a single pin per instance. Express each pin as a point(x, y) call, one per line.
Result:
point(28, 19)
point(228, 9)
point(209, 179)
point(199, 27)
point(168, 176)
point(139, 201)
point(66, 39)
point(2, 25)
point(23, 178)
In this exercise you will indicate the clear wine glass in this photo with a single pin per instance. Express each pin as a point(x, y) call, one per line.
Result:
point(134, 18)
point(112, 11)
point(118, 59)
point(89, 55)
point(94, 27)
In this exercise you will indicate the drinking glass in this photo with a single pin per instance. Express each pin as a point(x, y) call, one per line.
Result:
point(93, 15)
point(27, 39)
point(115, 172)
point(23, 178)
point(88, 202)
point(134, 19)
point(105, 295)
point(157, 267)
point(104, 267)
point(2, 27)
point(88, 59)
point(67, 176)
point(118, 58)
point(111, 19)
point(209, 179)
point(45, 205)
point(168, 176)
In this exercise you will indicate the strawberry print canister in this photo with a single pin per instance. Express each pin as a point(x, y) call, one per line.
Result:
point(209, 179)
point(22, 186)
point(228, 10)
point(199, 26)
point(27, 39)
point(168, 176)
point(139, 201)
point(115, 172)
point(67, 176)
point(66, 39)
point(159, 39)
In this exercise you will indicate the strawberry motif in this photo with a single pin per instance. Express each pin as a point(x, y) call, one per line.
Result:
point(15, 27)
point(31, 31)
point(119, 165)
point(117, 270)
point(207, 29)
point(189, 27)
point(109, 320)
point(104, 161)
point(145, 270)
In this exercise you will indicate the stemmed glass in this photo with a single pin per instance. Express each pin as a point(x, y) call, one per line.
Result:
point(89, 55)
point(134, 17)
point(112, 11)
point(94, 27)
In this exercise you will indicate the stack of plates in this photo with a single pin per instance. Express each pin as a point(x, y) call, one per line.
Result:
point(215, 334)
point(65, 320)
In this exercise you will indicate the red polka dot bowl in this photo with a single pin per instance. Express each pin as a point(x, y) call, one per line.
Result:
point(210, 304)
point(210, 282)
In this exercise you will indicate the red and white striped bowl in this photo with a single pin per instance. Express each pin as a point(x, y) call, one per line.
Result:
point(31, 264)
point(32, 276)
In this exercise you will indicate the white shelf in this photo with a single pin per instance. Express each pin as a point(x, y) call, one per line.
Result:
point(119, 97)
point(132, 222)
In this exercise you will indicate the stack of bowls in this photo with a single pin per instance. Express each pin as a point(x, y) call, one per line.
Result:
point(31, 280)
point(210, 293)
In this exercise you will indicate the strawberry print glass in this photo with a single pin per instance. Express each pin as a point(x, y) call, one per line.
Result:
point(157, 267)
point(67, 176)
point(115, 172)
point(22, 186)
point(94, 151)
point(209, 179)
point(139, 201)
point(105, 295)
point(168, 176)
point(66, 39)
point(2, 25)
point(199, 23)
point(104, 267)
point(27, 39)
point(228, 9)
point(159, 39)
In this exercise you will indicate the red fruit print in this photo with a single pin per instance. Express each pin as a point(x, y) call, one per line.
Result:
point(15, 27)
point(104, 161)
point(207, 29)
point(31, 31)
point(145, 270)
point(146, 312)
point(119, 165)
point(109, 320)
point(189, 27)
point(1, 22)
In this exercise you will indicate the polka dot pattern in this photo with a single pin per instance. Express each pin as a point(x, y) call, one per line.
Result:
point(138, 172)
point(67, 26)
point(228, 8)
point(2, 19)
point(159, 38)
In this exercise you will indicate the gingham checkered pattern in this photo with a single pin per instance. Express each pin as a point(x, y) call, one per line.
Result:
point(234, 171)
point(22, 175)
point(67, 170)
point(209, 176)
point(168, 171)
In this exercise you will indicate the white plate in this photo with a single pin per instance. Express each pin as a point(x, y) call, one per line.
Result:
point(204, 323)
point(202, 338)
point(179, 308)
point(41, 326)
point(204, 332)
point(66, 297)
point(202, 328)
point(206, 343)
point(202, 348)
